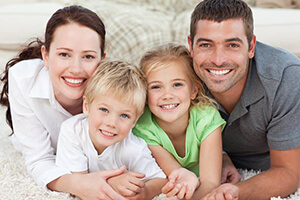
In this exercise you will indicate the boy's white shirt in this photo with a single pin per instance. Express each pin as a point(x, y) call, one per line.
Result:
point(36, 117)
point(76, 152)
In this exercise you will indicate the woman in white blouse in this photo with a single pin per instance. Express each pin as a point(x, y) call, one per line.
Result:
point(45, 87)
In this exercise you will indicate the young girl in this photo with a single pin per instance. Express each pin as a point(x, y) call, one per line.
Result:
point(180, 122)
point(45, 87)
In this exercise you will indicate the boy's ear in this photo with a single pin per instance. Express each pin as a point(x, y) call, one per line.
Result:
point(85, 106)
point(195, 92)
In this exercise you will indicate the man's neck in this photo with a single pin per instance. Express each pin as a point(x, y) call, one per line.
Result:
point(229, 99)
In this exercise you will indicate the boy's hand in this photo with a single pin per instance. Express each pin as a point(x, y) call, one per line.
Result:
point(182, 183)
point(127, 184)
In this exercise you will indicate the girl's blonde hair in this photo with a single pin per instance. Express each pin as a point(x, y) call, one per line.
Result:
point(118, 79)
point(164, 56)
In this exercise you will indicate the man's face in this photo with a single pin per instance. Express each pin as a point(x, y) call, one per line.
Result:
point(221, 54)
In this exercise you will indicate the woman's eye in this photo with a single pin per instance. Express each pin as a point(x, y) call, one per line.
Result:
point(89, 57)
point(124, 116)
point(104, 110)
point(64, 54)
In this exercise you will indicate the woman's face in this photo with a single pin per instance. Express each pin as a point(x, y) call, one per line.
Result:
point(73, 56)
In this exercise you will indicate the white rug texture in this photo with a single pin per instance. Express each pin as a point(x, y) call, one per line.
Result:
point(16, 184)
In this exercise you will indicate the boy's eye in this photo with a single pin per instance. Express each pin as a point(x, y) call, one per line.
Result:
point(124, 116)
point(103, 110)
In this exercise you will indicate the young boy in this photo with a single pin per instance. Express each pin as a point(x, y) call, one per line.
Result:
point(101, 138)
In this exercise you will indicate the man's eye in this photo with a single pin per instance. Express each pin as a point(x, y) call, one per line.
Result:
point(204, 45)
point(234, 45)
point(124, 116)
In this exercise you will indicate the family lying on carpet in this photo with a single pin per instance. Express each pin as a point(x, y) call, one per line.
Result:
point(105, 119)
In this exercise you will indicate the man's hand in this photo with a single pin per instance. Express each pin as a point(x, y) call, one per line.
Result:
point(225, 191)
point(229, 172)
point(182, 183)
point(128, 184)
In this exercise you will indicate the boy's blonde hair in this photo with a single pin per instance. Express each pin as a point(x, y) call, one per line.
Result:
point(164, 56)
point(118, 79)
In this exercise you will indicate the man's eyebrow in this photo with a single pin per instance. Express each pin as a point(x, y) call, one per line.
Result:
point(234, 40)
point(203, 40)
point(227, 40)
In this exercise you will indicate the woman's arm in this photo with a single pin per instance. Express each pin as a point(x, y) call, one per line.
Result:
point(88, 186)
point(210, 163)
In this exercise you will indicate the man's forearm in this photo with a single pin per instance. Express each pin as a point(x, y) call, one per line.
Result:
point(274, 182)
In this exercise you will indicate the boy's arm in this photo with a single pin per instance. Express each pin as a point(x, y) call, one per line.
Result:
point(210, 163)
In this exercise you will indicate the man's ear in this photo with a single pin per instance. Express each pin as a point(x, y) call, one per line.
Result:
point(85, 106)
point(252, 47)
point(190, 45)
point(45, 56)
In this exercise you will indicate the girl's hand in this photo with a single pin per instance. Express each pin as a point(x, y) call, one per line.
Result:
point(128, 184)
point(182, 183)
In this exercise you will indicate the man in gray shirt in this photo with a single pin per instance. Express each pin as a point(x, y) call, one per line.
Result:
point(258, 92)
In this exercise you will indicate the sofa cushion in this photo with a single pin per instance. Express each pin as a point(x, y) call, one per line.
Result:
point(131, 30)
point(21, 22)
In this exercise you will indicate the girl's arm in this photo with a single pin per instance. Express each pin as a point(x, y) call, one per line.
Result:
point(182, 182)
point(210, 163)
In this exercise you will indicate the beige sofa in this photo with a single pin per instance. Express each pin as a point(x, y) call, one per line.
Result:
point(135, 25)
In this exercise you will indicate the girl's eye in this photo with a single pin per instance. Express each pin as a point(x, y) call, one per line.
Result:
point(64, 54)
point(154, 87)
point(89, 57)
point(124, 116)
point(104, 110)
point(178, 84)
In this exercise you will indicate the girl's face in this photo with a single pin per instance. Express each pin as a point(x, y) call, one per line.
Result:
point(73, 56)
point(170, 92)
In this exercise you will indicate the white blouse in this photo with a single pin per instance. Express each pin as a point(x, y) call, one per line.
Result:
point(36, 117)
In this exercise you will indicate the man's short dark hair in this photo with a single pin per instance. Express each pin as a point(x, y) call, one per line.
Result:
point(220, 10)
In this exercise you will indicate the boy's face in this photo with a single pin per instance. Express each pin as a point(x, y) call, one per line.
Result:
point(110, 120)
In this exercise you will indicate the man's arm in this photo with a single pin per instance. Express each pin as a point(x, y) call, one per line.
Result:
point(282, 179)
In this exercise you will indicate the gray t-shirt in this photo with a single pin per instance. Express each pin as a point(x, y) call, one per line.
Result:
point(268, 113)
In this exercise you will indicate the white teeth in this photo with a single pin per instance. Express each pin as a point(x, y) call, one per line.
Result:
point(219, 72)
point(170, 106)
point(107, 133)
point(74, 81)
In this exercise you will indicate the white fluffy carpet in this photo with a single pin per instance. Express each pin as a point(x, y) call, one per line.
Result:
point(15, 184)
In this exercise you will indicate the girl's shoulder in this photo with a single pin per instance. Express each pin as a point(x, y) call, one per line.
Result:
point(203, 110)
